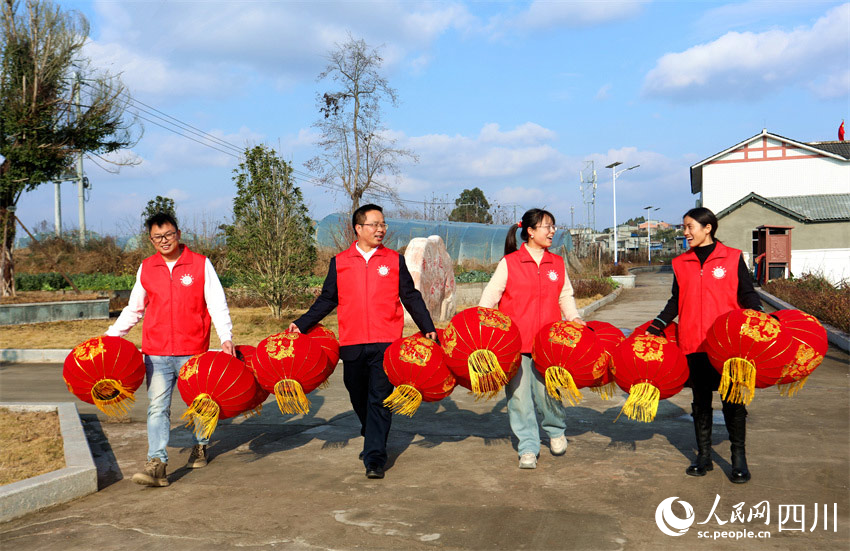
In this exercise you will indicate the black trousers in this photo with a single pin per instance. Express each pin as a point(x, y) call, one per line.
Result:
point(704, 380)
point(368, 387)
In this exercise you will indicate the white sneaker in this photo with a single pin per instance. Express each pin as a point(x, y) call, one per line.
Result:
point(558, 445)
point(528, 461)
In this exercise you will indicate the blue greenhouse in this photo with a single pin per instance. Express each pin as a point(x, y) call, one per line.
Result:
point(465, 241)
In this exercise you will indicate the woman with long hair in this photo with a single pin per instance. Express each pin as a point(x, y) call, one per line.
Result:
point(531, 286)
point(710, 279)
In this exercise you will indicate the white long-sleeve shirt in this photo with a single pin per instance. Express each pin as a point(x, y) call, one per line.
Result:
point(213, 295)
point(496, 287)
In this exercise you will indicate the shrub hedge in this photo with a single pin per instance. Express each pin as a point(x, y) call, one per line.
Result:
point(815, 295)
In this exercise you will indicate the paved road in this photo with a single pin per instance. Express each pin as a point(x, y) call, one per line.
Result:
point(294, 482)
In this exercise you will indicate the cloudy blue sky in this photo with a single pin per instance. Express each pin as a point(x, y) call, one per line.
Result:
point(511, 97)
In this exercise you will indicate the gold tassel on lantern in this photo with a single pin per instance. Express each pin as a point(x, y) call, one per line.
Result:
point(203, 414)
point(290, 397)
point(253, 412)
point(112, 398)
point(642, 404)
point(791, 389)
point(738, 381)
point(485, 373)
point(606, 392)
point(404, 400)
point(560, 385)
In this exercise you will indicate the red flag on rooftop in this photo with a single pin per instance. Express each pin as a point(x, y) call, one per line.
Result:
point(841, 132)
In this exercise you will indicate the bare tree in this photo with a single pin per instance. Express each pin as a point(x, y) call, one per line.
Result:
point(358, 155)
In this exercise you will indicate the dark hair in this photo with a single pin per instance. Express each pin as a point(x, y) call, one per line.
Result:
point(160, 219)
point(530, 219)
point(359, 215)
point(704, 217)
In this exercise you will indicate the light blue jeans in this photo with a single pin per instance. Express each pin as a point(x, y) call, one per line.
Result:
point(162, 372)
point(526, 396)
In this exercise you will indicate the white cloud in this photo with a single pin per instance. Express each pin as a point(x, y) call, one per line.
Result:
point(746, 65)
point(527, 133)
point(547, 15)
point(147, 74)
point(834, 86)
point(604, 92)
point(191, 46)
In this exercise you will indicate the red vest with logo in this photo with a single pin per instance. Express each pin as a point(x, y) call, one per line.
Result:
point(531, 293)
point(705, 293)
point(177, 322)
point(369, 309)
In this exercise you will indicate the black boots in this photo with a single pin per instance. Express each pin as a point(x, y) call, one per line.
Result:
point(735, 416)
point(702, 429)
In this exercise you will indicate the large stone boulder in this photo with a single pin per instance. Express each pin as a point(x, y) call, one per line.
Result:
point(432, 270)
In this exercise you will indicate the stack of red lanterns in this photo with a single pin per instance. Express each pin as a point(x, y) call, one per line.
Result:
point(570, 356)
point(291, 365)
point(105, 372)
point(609, 337)
point(650, 369)
point(750, 349)
point(215, 385)
point(809, 343)
point(415, 367)
point(482, 349)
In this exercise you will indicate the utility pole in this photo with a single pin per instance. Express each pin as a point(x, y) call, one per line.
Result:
point(81, 192)
point(57, 208)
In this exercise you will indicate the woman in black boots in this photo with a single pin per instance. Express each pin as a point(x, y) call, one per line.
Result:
point(710, 279)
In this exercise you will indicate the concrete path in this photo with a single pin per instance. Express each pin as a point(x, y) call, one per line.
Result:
point(294, 482)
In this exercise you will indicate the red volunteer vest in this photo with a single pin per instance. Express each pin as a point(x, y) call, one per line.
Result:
point(369, 309)
point(531, 293)
point(705, 293)
point(177, 322)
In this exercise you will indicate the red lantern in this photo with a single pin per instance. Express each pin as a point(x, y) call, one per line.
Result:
point(215, 385)
point(650, 369)
point(610, 338)
point(291, 365)
point(750, 349)
point(330, 346)
point(671, 331)
point(810, 344)
point(482, 349)
point(414, 365)
point(106, 372)
point(569, 356)
point(246, 354)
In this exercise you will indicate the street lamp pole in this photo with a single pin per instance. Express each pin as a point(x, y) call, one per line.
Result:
point(615, 173)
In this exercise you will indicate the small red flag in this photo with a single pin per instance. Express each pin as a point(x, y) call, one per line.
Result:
point(841, 132)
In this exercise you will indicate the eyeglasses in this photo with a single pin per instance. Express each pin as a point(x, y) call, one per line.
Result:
point(547, 228)
point(376, 225)
point(163, 237)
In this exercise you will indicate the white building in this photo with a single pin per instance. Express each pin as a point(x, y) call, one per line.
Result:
point(772, 180)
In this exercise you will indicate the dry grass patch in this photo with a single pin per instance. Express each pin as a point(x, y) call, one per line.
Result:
point(22, 297)
point(250, 326)
point(31, 444)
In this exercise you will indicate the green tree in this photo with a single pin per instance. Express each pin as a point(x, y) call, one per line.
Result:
point(270, 246)
point(471, 206)
point(157, 205)
point(42, 127)
point(358, 154)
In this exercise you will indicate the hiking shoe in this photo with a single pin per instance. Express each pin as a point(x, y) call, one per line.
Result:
point(528, 460)
point(558, 445)
point(198, 457)
point(153, 475)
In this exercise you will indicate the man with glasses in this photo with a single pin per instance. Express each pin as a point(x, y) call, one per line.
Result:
point(178, 293)
point(368, 283)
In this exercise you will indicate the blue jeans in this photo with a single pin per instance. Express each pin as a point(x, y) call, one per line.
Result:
point(525, 391)
point(162, 372)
